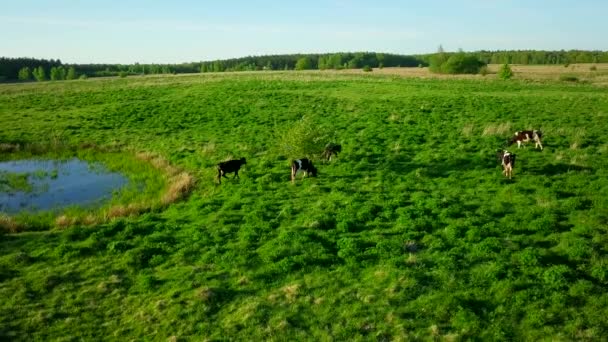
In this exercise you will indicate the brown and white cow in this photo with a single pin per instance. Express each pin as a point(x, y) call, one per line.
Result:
point(303, 165)
point(229, 166)
point(507, 160)
point(523, 137)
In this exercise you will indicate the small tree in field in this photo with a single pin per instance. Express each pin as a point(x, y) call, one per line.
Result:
point(71, 74)
point(505, 72)
point(39, 74)
point(25, 74)
point(303, 139)
point(303, 63)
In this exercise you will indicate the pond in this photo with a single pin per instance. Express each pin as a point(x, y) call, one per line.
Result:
point(40, 185)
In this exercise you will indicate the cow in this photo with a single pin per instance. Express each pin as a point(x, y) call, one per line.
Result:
point(229, 166)
point(331, 149)
point(507, 160)
point(525, 137)
point(303, 165)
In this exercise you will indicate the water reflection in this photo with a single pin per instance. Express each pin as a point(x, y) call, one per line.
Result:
point(54, 184)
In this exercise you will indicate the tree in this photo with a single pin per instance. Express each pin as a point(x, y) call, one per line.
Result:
point(25, 74)
point(462, 63)
point(322, 63)
point(71, 74)
point(57, 73)
point(458, 63)
point(304, 63)
point(39, 74)
point(218, 66)
point(505, 72)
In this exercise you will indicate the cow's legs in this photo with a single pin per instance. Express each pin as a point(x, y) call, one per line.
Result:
point(236, 174)
point(293, 173)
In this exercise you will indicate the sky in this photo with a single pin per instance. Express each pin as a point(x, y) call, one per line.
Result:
point(153, 31)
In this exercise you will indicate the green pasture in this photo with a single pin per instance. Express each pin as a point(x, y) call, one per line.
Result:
point(412, 233)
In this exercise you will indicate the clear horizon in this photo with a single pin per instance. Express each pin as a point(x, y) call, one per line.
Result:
point(136, 31)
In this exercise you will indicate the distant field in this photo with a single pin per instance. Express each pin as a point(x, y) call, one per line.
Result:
point(584, 72)
point(412, 233)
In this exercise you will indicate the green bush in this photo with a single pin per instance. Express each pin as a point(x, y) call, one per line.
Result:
point(505, 72)
point(304, 63)
point(593, 68)
point(459, 63)
point(122, 74)
point(303, 139)
point(367, 68)
point(483, 70)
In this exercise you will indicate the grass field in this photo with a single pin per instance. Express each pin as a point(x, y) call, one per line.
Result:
point(412, 233)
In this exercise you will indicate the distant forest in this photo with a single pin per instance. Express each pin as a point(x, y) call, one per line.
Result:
point(27, 69)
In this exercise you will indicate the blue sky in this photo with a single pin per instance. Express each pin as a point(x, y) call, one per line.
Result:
point(130, 31)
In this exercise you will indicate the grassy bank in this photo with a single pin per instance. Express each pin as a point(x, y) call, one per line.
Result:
point(411, 233)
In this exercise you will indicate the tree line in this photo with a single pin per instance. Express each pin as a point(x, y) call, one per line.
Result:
point(13, 69)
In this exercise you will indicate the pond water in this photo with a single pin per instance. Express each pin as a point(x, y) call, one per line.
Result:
point(36, 185)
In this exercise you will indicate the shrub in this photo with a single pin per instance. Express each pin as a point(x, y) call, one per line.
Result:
point(367, 68)
point(303, 139)
point(593, 68)
point(436, 61)
point(505, 72)
point(566, 65)
point(83, 77)
point(304, 63)
point(122, 74)
point(25, 74)
point(483, 70)
point(459, 63)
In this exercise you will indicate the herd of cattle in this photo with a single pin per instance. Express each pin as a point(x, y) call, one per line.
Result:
point(505, 158)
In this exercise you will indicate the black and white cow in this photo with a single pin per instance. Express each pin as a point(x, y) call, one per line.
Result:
point(303, 165)
point(331, 149)
point(228, 167)
point(527, 136)
point(507, 160)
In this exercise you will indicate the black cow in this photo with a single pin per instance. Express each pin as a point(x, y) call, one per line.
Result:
point(304, 165)
point(525, 137)
point(331, 149)
point(229, 166)
point(507, 160)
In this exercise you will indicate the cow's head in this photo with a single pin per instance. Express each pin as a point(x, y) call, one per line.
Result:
point(243, 161)
point(499, 154)
point(313, 170)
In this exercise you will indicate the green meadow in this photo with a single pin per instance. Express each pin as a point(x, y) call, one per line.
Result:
point(411, 233)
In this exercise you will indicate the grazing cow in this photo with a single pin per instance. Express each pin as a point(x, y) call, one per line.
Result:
point(331, 149)
point(304, 165)
point(507, 160)
point(527, 136)
point(229, 166)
